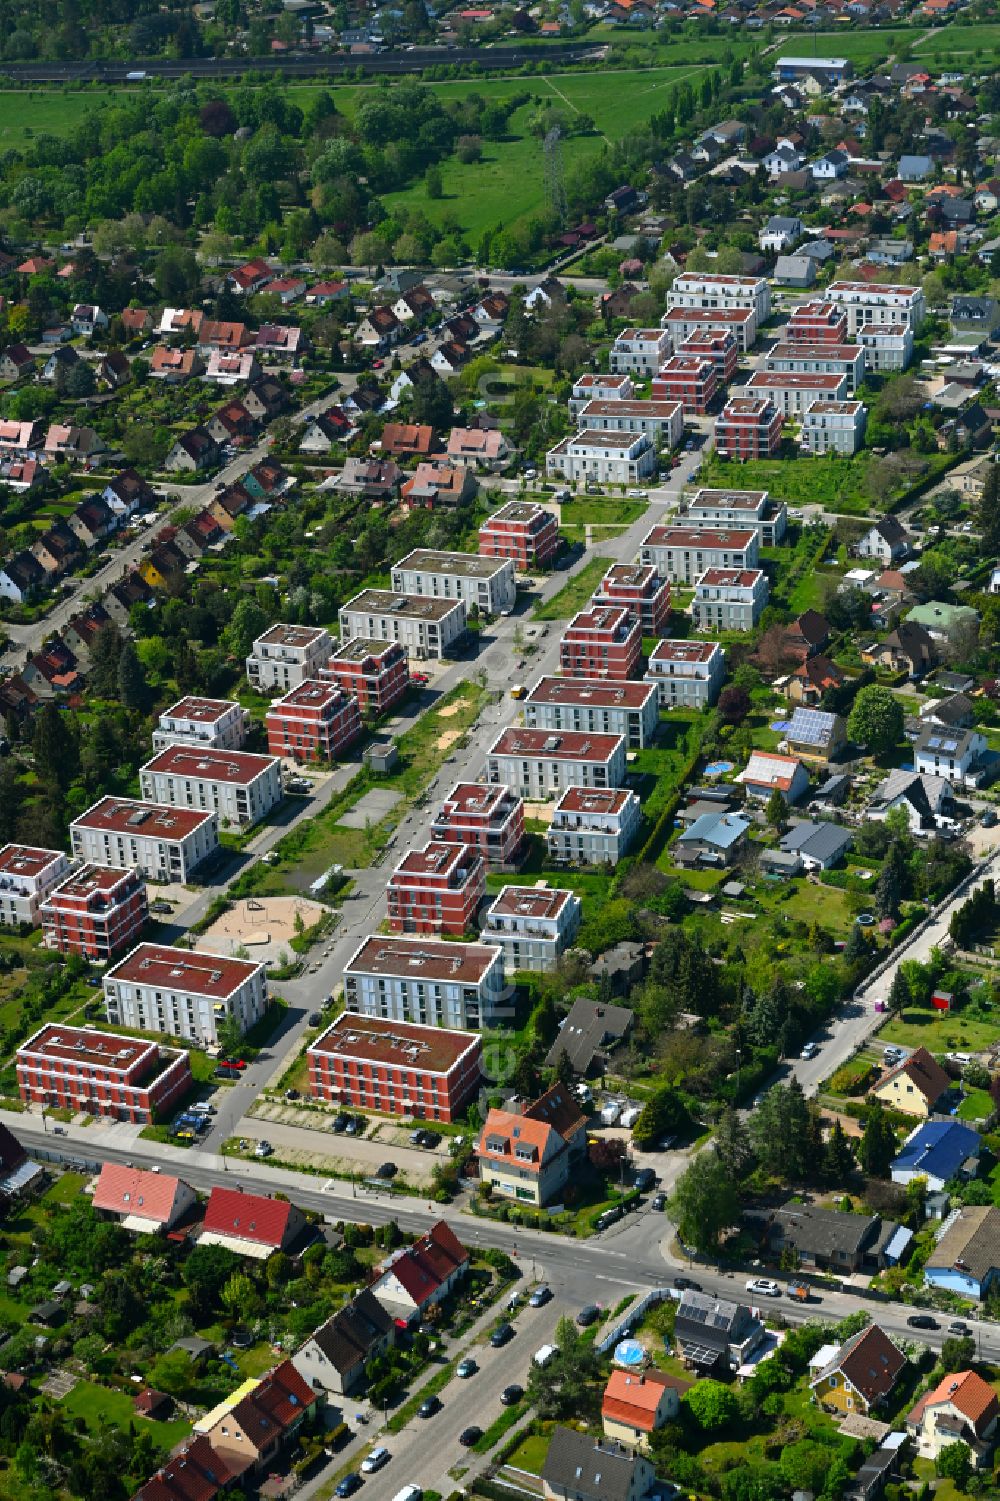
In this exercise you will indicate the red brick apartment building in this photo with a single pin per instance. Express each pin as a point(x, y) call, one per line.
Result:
point(602, 642)
point(521, 530)
point(436, 890)
point(748, 429)
point(817, 323)
point(487, 819)
point(76, 1068)
point(716, 344)
point(98, 912)
point(641, 591)
point(690, 379)
point(313, 722)
point(377, 673)
point(397, 1068)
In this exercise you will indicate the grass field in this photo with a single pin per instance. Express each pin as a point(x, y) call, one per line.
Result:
point(575, 594)
point(940, 1031)
point(835, 483)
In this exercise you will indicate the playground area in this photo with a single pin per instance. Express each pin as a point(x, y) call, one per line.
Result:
point(261, 927)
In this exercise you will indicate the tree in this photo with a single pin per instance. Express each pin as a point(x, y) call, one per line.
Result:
point(662, 1115)
point(775, 810)
point(104, 654)
point(899, 992)
point(958, 1352)
point(205, 1273)
point(734, 704)
point(838, 1159)
point(704, 1202)
point(712, 1405)
point(238, 1295)
point(133, 691)
point(877, 1146)
point(733, 1146)
point(889, 886)
point(988, 510)
point(876, 719)
point(783, 1133)
point(230, 1037)
point(954, 1463)
point(56, 746)
point(80, 381)
point(247, 623)
point(562, 1387)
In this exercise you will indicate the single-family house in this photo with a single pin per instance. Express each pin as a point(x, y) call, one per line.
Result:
point(830, 1240)
point(589, 1034)
point(250, 1224)
point(767, 772)
point(914, 1086)
point(961, 1409)
point(819, 846)
point(957, 755)
point(909, 648)
point(716, 1333)
point(937, 1151)
point(861, 1375)
point(415, 1277)
point(812, 680)
point(816, 735)
point(252, 1425)
point(966, 1257)
point(148, 1203)
point(636, 1403)
point(714, 839)
point(579, 1467)
point(928, 800)
point(886, 540)
point(334, 1359)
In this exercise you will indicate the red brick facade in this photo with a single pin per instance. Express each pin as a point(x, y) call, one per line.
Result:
point(377, 673)
point(436, 890)
point(689, 379)
point(396, 1068)
point(313, 722)
point(641, 591)
point(603, 642)
point(487, 819)
point(126, 1079)
point(748, 429)
point(523, 531)
point(716, 344)
point(817, 323)
point(98, 912)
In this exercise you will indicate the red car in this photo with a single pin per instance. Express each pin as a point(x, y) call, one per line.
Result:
point(377, 364)
point(239, 1063)
point(419, 677)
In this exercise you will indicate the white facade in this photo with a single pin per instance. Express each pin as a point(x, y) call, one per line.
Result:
point(739, 508)
point(605, 457)
point(216, 723)
point(426, 980)
point(820, 359)
point(867, 304)
point(681, 554)
point(487, 583)
point(793, 392)
point(593, 828)
point(533, 925)
point(540, 765)
point(240, 788)
point(663, 421)
point(286, 655)
point(888, 346)
point(27, 875)
point(729, 599)
point(184, 993)
point(163, 844)
point(834, 427)
point(694, 289)
point(598, 387)
point(425, 626)
point(689, 673)
point(639, 351)
point(594, 707)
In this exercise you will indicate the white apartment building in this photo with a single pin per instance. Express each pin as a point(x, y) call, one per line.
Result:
point(834, 427)
point(163, 844)
point(27, 875)
point(428, 981)
point(682, 553)
point(540, 764)
point(887, 346)
point(820, 359)
point(689, 673)
point(603, 457)
point(739, 508)
point(866, 304)
point(628, 709)
point(591, 827)
point(487, 583)
point(425, 626)
point(639, 351)
point(214, 722)
point(792, 392)
point(533, 925)
point(184, 993)
point(663, 421)
point(599, 387)
point(681, 322)
point(729, 599)
point(240, 788)
point(285, 655)
point(702, 289)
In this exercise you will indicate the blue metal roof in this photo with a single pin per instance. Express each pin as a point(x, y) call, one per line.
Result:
point(938, 1148)
point(720, 829)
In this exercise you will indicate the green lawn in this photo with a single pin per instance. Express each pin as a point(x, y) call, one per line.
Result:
point(940, 1031)
point(530, 1453)
point(575, 593)
point(97, 1406)
point(953, 39)
point(607, 518)
point(976, 1106)
point(835, 483)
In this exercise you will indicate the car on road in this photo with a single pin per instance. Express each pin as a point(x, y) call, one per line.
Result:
point(340, 1122)
point(644, 1180)
point(386, 1170)
point(511, 1394)
point(922, 1321)
point(470, 1436)
point(315, 1019)
point(263, 1148)
point(589, 1314)
point(763, 1287)
point(350, 1483)
point(502, 1335)
point(375, 1460)
point(810, 1050)
point(466, 1368)
point(959, 1328)
point(540, 1296)
point(660, 1202)
point(686, 1285)
point(428, 1407)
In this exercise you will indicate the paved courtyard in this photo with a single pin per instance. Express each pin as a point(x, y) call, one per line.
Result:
point(370, 809)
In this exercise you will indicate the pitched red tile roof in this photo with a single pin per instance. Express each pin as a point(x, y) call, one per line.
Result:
point(632, 1397)
point(197, 1473)
point(130, 1190)
point(278, 1401)
point(252, 1217)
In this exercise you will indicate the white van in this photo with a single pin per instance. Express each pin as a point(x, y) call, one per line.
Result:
point(542, 1356)
point(610, 1111)
point(201, 1109)
point(409, 1493)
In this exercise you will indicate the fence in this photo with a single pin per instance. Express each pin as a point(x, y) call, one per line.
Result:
point(624, 1326)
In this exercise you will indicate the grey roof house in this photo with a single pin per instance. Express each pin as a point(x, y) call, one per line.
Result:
point(829, 1240)
point(335, 1357)
point(590, 1033)
point(795, 270)
point(713, 839)
point(714, 1332)
point(579, 1467)
point(915, 168)
point(818, 845)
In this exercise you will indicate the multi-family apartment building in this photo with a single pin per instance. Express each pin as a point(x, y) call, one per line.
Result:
point(729, 599)
point(523, 531)
point(819, 359)
point(604, 641)
point(427, 981)
point(867, 303)
point(184, 993)
point(641, 591)
point(541, 763)
point(748, 428)
point(692, 380)
point(682, 553)
point(78, 1069)
point(599, 387)
point(287, 654)
point(606, 458)
point(793, 391)
point(740, 508)
point(376, 673)
point(533, 925)
point(663, 421)
point(487, 819)
point(639, 351)
point(216, 722)
point(591, 827)
point(688, 673)
point(834, 427)
point(162, 844)
point(395, 1067)
point(315, 721)
point(239, 787)
point(888, 346)
point(681, 322)
point(97, 912)
point(425, 627)
point(436, 889)
point(817, 323)
point(716, 344)
point(708, 290)
point(594, 707)
point(487, 583)
point(27, 875)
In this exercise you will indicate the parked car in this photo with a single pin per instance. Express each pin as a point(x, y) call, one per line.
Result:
point(511, 1394)
point(502, 1335)
point(810, 1050)
point(340, 1122)
point(470, 1436)
point(375, 1460)
point(386, 1170)
point(686, 1285)
point(350, 1483)
point(540, 1296)
point(589, 1314)
point(292, 1094)
point(263, 1149)
point(763, 1287)
point(428, 1407)
point(644, 1180)
point(466, 1368)
point(660, 1202)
